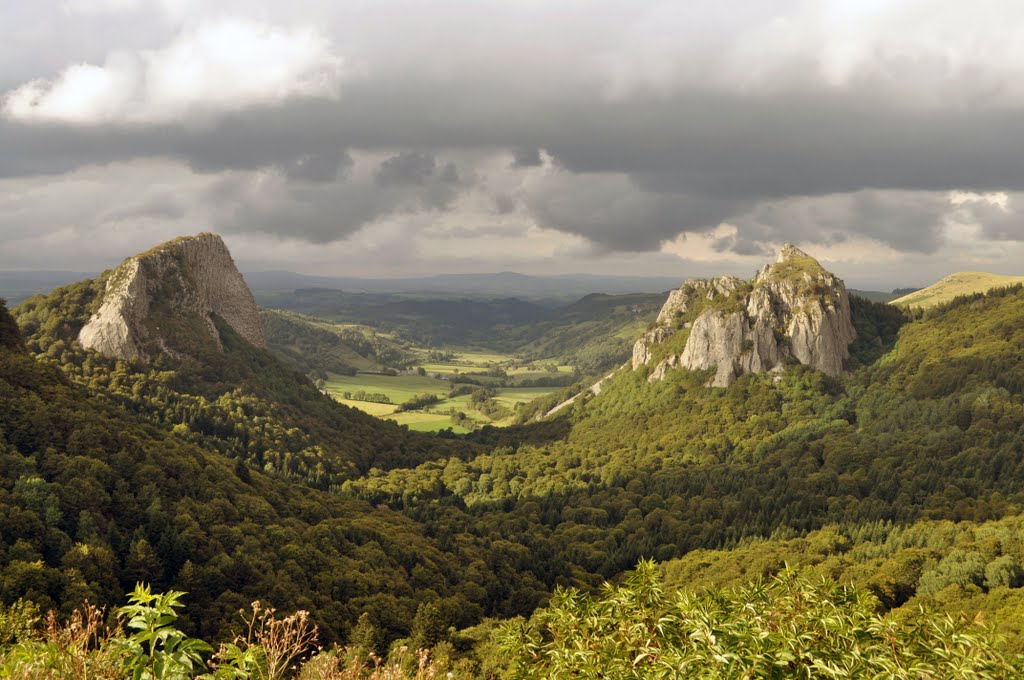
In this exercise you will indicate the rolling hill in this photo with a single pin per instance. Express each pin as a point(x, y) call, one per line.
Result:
point(954, 286)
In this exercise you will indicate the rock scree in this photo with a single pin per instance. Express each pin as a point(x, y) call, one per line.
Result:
point(793, 308)
point(181, 283)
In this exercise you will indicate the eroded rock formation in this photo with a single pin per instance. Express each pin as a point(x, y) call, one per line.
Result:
point(176, 287)
point(793, 308)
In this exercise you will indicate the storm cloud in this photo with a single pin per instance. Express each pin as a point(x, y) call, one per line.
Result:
point(622, 126)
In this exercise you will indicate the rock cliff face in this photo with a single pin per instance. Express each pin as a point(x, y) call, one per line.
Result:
point(793, 308)
point(155, 299)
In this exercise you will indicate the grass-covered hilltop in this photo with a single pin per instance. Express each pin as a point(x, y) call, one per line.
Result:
point(954, 286)
point(774, 478)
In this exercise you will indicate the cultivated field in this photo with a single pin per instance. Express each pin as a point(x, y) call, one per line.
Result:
point(403, 387)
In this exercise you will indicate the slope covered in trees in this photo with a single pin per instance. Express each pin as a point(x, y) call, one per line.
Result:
point(318, 347)
point(112, 469)
point(593, 334)
point(243, 402)
point(928, 427)
point(96, 494)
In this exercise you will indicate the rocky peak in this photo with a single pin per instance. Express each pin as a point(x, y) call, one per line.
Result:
point(158, 300)
point(792, 308)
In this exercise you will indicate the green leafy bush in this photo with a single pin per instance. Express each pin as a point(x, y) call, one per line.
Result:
point(784, 627)
point(156, 649)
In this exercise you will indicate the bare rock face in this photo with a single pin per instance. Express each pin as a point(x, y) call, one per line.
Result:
point(793, 308)
point(176, 287)
point(680, 300)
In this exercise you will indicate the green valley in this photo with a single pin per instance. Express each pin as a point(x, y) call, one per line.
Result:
point(504, 340)
point(304, 475)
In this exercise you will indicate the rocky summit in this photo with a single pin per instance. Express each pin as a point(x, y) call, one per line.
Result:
point(793, 308)
point(159, 299)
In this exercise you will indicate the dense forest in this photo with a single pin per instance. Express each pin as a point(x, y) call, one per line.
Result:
point(230, 476)
point(100, 489)
point(317, 350)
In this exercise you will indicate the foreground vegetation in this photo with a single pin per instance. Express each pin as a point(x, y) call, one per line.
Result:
point(782, 627)
point(141, 641)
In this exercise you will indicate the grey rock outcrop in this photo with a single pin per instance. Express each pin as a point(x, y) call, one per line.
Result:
point(186, 280)
point(793, 308)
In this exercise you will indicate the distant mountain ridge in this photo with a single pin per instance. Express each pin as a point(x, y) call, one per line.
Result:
point(16, 286)
point(500, 284)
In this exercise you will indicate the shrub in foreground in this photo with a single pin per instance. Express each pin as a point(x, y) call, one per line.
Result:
point(787, 627)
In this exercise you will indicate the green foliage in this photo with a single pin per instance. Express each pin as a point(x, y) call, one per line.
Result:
point(1004, 571)
point(202, 477)
point(787, 626)
point(960, 568)
point(594, 334)
point(233, 478)
point(363, 395)
point(365, 636)
point(17, 622)
point(315, 347)
point(668, 468)
point(877, 326)
point(418, 402)
point(10, 335)
point(241, 402)
point(156, 649)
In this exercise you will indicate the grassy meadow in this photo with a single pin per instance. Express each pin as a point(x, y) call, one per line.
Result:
point(438, 381)
point(955, 285)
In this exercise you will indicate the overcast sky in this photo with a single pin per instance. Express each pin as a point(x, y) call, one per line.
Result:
point(384, 138)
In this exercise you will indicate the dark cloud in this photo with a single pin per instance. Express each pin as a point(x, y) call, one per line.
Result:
point(656, 119)
point(733, 244)
point(997, 223)
point(319, 167)
point(527, 158)
point(691, 161)
point(612, 211)
point(326, 211)
point(408, 167)
point(907, 221)
point(504, 204)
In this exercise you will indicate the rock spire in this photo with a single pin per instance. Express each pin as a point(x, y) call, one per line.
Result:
point(157, 299)
point(793, 308)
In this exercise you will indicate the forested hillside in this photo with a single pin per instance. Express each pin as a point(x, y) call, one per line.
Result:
point(318, 348)
point(242, 402)
point(593, 334)
point(204, 476)
point(96, 495)
point(930, 429)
